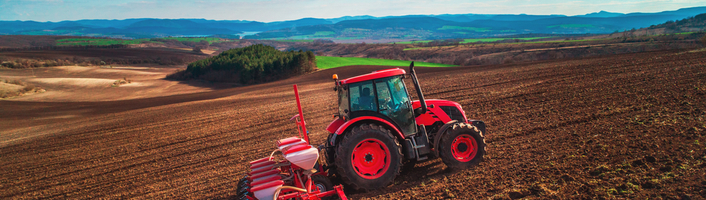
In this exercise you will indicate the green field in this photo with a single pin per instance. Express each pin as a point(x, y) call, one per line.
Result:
point(498, 39)
point(210, 40)
point(290, 40)
point(324, 33)
point(572, 26)
point(511, 43)
point(474, 29)
point(349, 38)
point(560, 41)
point(412, 42)
point(328, 62)
point(106, 42)
point(474, 40)
point(305, 38)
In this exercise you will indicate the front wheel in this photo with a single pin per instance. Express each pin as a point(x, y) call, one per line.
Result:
point(462, 146)
point(368, 157)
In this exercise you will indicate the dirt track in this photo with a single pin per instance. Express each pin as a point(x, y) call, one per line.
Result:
point(620, 126)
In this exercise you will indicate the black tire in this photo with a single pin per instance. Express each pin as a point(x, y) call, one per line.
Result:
point(408, 166)
point(323, 183)
point(355, 138)
point(462, 132)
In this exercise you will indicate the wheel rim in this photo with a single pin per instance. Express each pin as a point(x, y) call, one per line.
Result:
point(321, 187)
point(370, 158)
point(464, 148)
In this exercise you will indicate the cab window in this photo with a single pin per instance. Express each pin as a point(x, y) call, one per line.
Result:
point(362, 96)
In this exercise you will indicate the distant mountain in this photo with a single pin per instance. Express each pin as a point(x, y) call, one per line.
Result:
point(408, 27)
point(418, 22)
point(691, 24)
point(603, 14)
point(448, 26)
point(299, 22)
point(344, 18)
point(105, 23)
point(166, 23)
point(681, 13)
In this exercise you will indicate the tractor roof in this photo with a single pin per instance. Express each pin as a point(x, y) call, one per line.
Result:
point(374, 75)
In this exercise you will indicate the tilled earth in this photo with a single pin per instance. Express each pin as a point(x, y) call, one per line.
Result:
point(623, 126)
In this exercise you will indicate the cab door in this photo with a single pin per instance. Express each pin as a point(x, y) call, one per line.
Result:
point(393, 102)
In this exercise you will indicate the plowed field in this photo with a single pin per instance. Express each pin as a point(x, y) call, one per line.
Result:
point(623, 126)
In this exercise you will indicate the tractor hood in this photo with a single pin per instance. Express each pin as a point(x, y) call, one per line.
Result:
point(437, 102)
point(443, 111)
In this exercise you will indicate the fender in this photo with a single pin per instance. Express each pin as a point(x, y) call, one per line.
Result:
point(343, 126)
point(333, 126)
point(437, 136)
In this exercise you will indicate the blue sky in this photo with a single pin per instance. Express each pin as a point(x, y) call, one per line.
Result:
point(280, 10)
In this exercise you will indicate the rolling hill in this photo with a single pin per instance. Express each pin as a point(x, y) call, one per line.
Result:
point(417, 27)
point(409, 27)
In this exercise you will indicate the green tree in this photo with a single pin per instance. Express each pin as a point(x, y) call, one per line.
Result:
point(256, 63)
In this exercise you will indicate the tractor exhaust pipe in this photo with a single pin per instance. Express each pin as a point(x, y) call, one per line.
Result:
point(419, 91)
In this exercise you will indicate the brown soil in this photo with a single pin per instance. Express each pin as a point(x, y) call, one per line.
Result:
point(204, 51)
point(9, 88)
point(624, 126)
point(101, 83)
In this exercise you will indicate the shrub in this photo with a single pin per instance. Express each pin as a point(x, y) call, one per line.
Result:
point(16, 82)
point(5, 94)
point(29, 88)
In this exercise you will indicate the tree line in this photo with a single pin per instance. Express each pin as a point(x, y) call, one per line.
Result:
point(252, 64)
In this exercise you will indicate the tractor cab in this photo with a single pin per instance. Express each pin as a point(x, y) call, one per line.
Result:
point(380, 94)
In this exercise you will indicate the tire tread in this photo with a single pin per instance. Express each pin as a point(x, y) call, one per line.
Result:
point(347, 140)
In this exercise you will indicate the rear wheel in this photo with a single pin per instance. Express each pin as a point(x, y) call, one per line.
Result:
point(368, 157)
point(462, 146)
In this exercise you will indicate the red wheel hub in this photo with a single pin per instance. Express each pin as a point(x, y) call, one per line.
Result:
point(370, 158)
point(464, 148)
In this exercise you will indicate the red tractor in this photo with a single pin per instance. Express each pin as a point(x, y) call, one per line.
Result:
point(378, 127)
